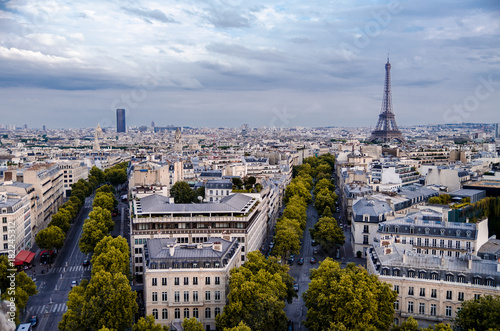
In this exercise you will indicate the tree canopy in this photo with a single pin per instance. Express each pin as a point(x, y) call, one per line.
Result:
point(479, 314)
point(106, 301)
point(105, 200)
point(181, 192)
point(328, 234)
point(192, 324)
point(258, 290)
point(148, 324)
point(347, 298)
point(93, 231)
point(51, 237)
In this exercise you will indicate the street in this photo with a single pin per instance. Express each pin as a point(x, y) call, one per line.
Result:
point(55, 282)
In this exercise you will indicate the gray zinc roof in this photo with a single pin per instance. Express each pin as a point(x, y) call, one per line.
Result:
point(371, 207)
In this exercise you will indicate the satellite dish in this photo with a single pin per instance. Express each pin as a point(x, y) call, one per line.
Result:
point(200, 198)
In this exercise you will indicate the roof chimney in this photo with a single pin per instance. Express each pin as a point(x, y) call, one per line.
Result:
point(171, 249)
point(469, 258)
point(217, 246)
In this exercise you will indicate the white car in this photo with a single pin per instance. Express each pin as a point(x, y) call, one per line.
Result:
point(73, 283)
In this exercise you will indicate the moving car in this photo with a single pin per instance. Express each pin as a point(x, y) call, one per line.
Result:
point(315, 251)
point(73, 283)
point(296, 287)
point(301, 261)
point(313, 260)
point(33, 320)
point(86, 263)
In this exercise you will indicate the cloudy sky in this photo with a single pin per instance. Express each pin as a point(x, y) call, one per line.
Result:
point(222, 63)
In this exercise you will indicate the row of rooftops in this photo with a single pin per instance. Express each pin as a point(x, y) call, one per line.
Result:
point(401, 260)
point(156, 204)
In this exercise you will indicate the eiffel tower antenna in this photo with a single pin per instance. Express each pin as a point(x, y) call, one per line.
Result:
point(387, 129)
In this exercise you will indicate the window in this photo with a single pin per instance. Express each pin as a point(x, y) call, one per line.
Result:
point(176, 281)
point(441, 243)
point(208, 313)
point(427, 230)
point(365, 239)
point(426, 242)
point(164, 296)
point(207, 295)
point(186, 296)
point(177, 313)
point(365, 229)
point(217, 311)
point(195, 296)
point(410, 290)
point(461, 279)
point(457, 244)
point(411, 273)
point(177, 296)
point(164, 314)
point(449, 278)
point(422, 275)
point(164, 281)
point(433, 309)
point(460, 296)
point(421, 308)
point(195, 313)
point(217, 295)
point(195, 280)
point(395, 272)
point(477, 296)
point(186, 312)
point(217, 280)
point(489, 282)
point(434, 242)
point(154, 297)
point(449, 295)
point(396, 305)
point(154, 282)
point(422, 291)
point(434, 276)
point(467, 245)
point(207, 280)
point(4, 220)
point(155, 313)
point(458, 233)
point(396, 288)
point(412, 230)
point(448, 311)
point(186, 280)
point(410, 306)
point(450, 243)
point(4, 229)
point(477, 281)
point(433, 293)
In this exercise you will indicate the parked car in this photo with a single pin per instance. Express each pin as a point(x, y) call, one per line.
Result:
point(315, 251)
point(73, 283)
point(301, 261)
point(86, 263)
point(33, 320)
point(296, 287)
point(313, 260)
point(313, 242)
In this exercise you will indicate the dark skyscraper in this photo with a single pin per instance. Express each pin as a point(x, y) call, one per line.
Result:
point(120, 120)
point(387, 129)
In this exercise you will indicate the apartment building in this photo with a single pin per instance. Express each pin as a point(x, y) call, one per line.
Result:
point(432, 288)
point(430, 233)
point(217, 189)
point(188, 280)
point(240, 217)
point(15, 214)
point(73, 171)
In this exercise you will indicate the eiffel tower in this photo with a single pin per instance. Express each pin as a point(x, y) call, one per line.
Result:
point(387, 129)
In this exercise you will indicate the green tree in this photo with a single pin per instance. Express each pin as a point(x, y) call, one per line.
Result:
point(327, 212)
point(440, 327)
point(116, 176)
point(479, 314)
point(96, 175)
point(297, 188)
point(237, 182)
point(409, 325)
point(106, 189)
point(434, 201)
point(348, 298)
point(61, 219)
point(148, 324)
point(50, 237)
point(113, 261)
point(181, 192)
point(79, 194)
point(109, 242)
point(71, 208)
point(93, 232)
point(297, 212)
point(324, 184)
point(328, 234)
point(107, 301)
point(240, 327)
point(200, 192)
point(104, 200)
point(192, 324)
point(286, 239)
point(24, 286)
point(102, 215)
point(328, 158)
point(323, 199)
point(256, 296)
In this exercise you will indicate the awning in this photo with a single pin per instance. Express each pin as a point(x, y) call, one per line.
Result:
point(24, 257)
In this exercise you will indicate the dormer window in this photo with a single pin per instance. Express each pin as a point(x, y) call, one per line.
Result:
point(442, 232)
point(468, 234)
point(427, 230)
point(412, 230)
point(458, 233)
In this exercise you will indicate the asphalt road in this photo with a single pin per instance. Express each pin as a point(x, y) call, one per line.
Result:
point(54, 283)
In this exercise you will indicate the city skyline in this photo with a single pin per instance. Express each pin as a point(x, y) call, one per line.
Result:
point(231, 62)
